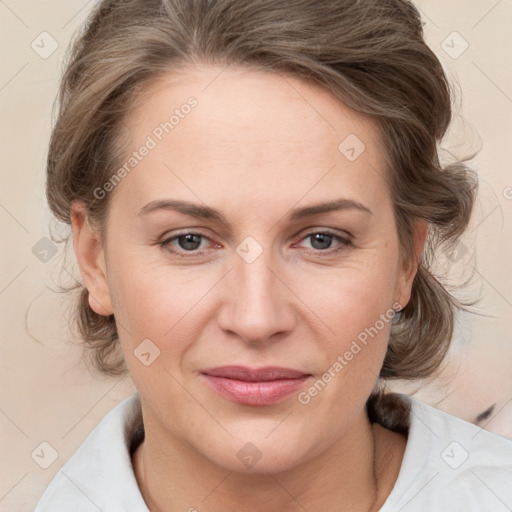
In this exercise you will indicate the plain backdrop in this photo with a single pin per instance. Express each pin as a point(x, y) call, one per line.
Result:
point(49, 400)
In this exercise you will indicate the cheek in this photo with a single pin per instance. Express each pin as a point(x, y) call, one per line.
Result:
point(362, 327)
point(358, 310)
point(156, 300)
point(353, 299)
point(159, 314)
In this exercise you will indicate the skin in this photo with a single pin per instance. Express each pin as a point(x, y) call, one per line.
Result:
point(474, 385)
point(256, 146)
point(479, 391)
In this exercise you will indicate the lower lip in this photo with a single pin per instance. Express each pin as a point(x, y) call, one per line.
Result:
point(255, 393)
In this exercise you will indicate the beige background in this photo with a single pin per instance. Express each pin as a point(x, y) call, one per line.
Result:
point(47, 394)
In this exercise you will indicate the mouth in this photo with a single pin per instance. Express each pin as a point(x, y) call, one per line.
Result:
point(254, 386)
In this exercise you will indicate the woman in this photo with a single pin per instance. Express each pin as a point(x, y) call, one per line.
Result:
point(255, 199)
point(473, 385)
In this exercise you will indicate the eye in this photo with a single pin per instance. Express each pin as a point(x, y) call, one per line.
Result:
point(486, 414)
point(184, 242)
point(190, 242)
point(322, 240)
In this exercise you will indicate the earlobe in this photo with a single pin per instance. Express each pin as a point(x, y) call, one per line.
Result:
point(410, 266)
point(91, 260)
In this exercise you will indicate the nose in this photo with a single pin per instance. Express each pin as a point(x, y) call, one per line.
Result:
point(258, 304)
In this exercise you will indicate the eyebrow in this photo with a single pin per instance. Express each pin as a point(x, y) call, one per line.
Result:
point(206, 212)
point(486, 414)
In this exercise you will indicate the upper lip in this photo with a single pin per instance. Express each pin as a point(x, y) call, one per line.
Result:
point(245, 373)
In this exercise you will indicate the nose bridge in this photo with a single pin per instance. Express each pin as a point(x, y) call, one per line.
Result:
point(258, 306)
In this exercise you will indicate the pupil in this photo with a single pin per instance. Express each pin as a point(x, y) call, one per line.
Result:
point(190, 241)
point(322, 237)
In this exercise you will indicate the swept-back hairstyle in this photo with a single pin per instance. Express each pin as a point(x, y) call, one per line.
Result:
point(370, 54)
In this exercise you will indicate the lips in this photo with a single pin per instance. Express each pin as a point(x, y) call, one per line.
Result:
point(254, 386)
point(254, 375)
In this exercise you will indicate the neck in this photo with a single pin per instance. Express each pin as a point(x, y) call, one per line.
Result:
point(355, 474)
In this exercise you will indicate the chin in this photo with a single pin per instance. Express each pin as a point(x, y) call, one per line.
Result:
point(257, 457)
point(273, 463)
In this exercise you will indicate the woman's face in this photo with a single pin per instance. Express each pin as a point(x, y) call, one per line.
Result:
point(476, 386)
point(251, 285)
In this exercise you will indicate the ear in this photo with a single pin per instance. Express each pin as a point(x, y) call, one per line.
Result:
point(91, 260)
point(409, 266)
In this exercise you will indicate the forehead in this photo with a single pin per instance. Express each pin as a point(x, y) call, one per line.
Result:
point(255, 131)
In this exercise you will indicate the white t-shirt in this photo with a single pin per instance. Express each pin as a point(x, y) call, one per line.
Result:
point(449, 465)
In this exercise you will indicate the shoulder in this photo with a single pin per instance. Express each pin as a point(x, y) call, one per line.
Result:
point(100, 473)
point(450, 464)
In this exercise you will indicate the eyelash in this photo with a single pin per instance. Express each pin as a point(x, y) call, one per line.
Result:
point(344, 243)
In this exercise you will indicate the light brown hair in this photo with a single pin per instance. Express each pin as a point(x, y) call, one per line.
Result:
point(370, 54)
